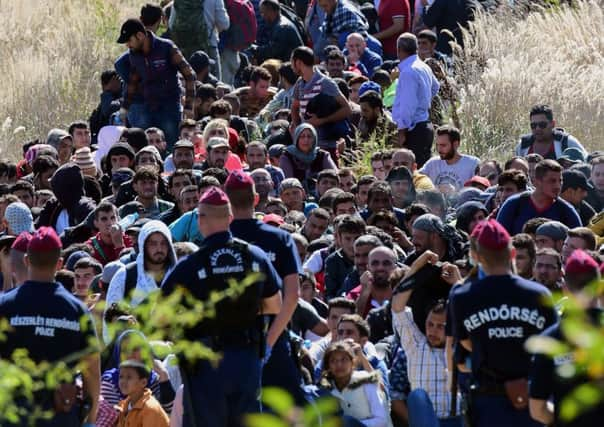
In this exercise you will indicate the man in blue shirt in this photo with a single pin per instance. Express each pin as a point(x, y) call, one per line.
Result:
point(543, 201)
point(358, 52)
point(414, 92)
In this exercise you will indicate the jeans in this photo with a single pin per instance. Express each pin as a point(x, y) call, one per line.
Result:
point(229, 64)
point(167, 117)
point(422, 414)
point(138, 116)
point(220, 396)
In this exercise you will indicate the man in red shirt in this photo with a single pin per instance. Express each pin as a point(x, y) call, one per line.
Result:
point(395, 19)
point(110, 240)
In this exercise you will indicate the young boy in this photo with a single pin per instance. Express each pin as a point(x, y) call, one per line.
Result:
point(110, 240)
point(85, 270)
point(140, 408)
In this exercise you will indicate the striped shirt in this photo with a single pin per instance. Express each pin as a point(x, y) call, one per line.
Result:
point(426, 366)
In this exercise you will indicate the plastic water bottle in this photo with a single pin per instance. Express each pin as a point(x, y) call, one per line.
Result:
point(307, 344)
point(128, 220)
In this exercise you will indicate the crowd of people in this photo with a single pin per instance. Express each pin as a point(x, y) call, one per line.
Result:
point(228, 148)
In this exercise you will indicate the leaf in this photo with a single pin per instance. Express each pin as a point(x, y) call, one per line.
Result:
point(263, 420)
point(278, 399)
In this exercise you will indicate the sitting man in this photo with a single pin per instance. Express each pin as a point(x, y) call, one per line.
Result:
point(283, 37)
point(375, 121)
point(257, 94)
point(360, 55)
point(144, 183)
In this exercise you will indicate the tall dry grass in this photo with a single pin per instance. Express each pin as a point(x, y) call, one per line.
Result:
point(555, 56)
point(52, 55)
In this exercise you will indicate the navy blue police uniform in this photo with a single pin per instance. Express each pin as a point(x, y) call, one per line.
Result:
point(546, 381)
point(497, 313)
point(280, 369)
point(51, 324)
point(220, 395)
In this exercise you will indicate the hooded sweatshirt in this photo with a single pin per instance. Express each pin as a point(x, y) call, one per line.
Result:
point(67, 184)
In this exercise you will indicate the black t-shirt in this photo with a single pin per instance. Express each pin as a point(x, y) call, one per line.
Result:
point(497, 314)
point(46, 320)
point(546, 382)
point(305, 318)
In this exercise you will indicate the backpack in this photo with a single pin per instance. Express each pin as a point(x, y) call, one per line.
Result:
point(291, 15)
point(130, 279)
point(242, 31)
point(189, 30)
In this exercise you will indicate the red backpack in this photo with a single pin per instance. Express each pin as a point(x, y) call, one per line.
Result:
point(242, 31)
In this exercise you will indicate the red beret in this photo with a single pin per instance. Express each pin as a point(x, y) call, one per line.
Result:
point(491, 235)
point(214, 197)
point(43, 240)
point(272, 219)
point(22, 242)
point(238, 180)
point(579, 262)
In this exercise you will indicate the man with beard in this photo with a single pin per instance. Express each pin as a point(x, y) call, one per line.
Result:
point(133, 282)
point(218, 152)
point(451, 169)
point(264, 188)
point(374, 289)
point(548, 269)
point(403, 190)
point(146, 203)
point(379, 197)
point(426, 361)
point(256, 155)
point(154, 67)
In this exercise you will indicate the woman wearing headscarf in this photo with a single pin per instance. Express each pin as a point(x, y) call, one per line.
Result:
point(304, 159)
point(469, 215)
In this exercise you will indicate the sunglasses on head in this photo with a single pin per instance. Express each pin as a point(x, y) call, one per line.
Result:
point(540, 125)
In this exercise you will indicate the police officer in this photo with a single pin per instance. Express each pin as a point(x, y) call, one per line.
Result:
point(280, 370)
point(545, 379)
point(52, 325)
point(218, 395)
point(492, 318)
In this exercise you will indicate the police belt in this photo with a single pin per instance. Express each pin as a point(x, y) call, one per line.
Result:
point(489, 383)
point(233, 340)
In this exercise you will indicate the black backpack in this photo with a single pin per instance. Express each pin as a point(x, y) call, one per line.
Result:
point(131, 279)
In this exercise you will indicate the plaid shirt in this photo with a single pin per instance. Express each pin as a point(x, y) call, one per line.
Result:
point(399, 381)
point(346, 18)
point(426, 366)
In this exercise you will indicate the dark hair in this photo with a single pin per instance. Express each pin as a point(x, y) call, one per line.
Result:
point(287, 72)
point(516, 177)
point(343, 86)
point(88, 262)
point(220, 108)
point(533, 158)
point(551, 252)
point(335, 55)
point(150, 14)
point(437, 307)
point(271, 4)
point(23, 186)
point(531, 226)
point(220, 174)
point(382, 77)
point(8, 168)
point(545, 166)
point(304, 54)
point(378, 187)
point(328, 173)
point(341, 302)
point(107, 75)
point(259, 73)
point(383, 215)
point(372, 98)
point(359, 323)
point(46, 259)
point(544, 109)
point(508, 164)
point(525, 241)
point(366, 179)
point(357, 79)
point(377, 156)
point(104, 206)
point(44, 163)
point(585, 234)
point(205, 91)
point(140, 368)
point(65, 278)
point(319, 213)
point(79, 124)
point(451, 131)
point(145, 173)
point(342, 198)
point(416, 209)
point(187, 123)
point(208, 181)
point(352, 224)
point(180, 172)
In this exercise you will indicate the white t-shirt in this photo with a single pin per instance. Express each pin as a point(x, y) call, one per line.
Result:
point(62, 221)
point(444, 175)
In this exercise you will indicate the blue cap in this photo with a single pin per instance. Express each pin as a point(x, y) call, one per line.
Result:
point(367, 86)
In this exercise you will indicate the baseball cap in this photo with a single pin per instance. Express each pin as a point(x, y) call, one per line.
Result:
point(276, 150)
point(476, 179)
point(572, 154)
point(553, 229)
point(288, 183)
point(21, 242)
point(55, 136)
point(214, 197)
point(492, 235)
point(273, 219)
point(130, 28)
point(200, 60)
point(238, 180)
point(370, 85)
point(184, 143)
point(45, 239)
point(579, 262)
point(217, 141)
point(75, 257)
point(121, 175)
point(575, 179)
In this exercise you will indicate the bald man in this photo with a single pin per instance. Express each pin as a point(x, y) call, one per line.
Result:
point(357, 53)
